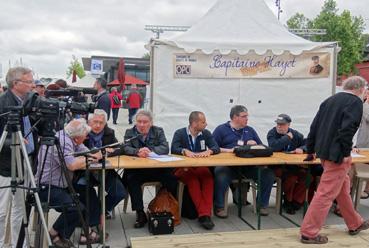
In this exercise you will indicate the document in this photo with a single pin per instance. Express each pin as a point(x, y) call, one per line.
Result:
point(99, 165)
point(357, 155)
point(163, 158)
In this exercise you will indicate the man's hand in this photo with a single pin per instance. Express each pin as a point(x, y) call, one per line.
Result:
point(204, 154)
point(355, 150)
point(290, 135)
point(227, 150)
point(310, 157)
point(298, 151)
point(251, 142)
point(143, 152)
point(188, 153)
point(97, 156)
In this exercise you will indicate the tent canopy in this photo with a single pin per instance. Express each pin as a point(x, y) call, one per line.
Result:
point(241, 25)
point(129, 79)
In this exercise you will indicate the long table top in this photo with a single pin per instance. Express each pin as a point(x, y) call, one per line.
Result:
point(222, 159)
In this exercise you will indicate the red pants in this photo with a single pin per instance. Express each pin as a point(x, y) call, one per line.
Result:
point(200, 183)
point(334, 184)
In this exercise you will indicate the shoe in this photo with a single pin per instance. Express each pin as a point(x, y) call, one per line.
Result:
point(108, 215)
point(114, 123)
point(59, 242)
point(94, 238)
point(363, 227)
point(264, 212)
point(220, 213)
point(337, 212)
point(206, 222)
point(288, 207)
point(296, 206)
point(141, 219)
point(320, 239)
point(364, 195)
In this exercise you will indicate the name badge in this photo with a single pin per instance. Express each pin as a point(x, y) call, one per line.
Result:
point(202, 145)
point(240, 142)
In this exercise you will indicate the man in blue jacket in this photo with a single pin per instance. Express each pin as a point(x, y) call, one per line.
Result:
point(196, 142)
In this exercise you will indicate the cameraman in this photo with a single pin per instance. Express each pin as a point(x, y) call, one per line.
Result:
point(20, 83)
point(53, 184)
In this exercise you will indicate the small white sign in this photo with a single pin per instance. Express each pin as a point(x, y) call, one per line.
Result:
point(96, 66)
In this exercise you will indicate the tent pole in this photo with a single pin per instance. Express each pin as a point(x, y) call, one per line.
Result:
point(334, 71)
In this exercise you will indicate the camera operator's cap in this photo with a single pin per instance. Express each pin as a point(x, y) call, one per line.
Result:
point(283, 119)
point(39, 83)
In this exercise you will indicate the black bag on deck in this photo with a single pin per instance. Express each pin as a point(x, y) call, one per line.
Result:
point(161, 223)
point(252, 151)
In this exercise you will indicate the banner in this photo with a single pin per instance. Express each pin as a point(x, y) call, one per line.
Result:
point(252, 65)
point(96, 66)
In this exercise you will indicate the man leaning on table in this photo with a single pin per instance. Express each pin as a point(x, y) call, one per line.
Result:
point(141, 140)
point(330, 138)
point(197, 142)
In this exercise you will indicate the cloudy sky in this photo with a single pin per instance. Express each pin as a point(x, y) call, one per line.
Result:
point(45, 34)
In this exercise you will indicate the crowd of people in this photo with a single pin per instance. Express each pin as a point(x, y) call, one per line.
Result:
point(330, 139)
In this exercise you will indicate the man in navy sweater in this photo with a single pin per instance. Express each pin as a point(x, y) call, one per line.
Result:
point(234, 133)
point(196, 142)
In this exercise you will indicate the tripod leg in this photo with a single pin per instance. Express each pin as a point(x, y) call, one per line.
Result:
point(29, 171)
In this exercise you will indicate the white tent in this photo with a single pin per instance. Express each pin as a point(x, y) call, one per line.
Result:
point(86, 82)
point(242, 31)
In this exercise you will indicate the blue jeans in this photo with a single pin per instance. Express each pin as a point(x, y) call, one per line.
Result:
point(61, 201)
point(223, 177)
point(115, 189)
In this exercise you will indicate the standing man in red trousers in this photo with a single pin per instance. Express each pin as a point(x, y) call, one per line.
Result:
point(330, 139)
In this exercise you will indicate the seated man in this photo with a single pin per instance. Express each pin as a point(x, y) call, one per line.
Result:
point(102, 135)
point(282, 138)
point(145, 138)
point(196, 141)
point(236, 133)
point(53, 182)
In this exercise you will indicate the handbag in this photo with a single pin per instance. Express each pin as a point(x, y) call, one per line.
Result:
point(163, 202)
point(251, 151)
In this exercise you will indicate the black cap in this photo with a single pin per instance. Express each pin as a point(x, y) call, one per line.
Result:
point(283, 119)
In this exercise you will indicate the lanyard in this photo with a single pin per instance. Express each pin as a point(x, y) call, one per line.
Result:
point(190, 142)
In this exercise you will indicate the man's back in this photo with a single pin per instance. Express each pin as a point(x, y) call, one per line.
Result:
point(334, 126)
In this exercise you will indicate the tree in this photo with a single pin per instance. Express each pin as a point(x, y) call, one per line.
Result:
point(344, 28)
point(298, 21)
point(146, 56)
point(75, 69)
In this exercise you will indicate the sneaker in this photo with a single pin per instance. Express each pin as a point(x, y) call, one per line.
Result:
point(220, 213)
point(205, 222)
point(264, 212)
point(141, 219)
point(320, 239)
point(363, 227)
point(109, 215)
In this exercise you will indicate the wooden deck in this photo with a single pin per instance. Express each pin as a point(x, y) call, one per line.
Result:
point(287, 238)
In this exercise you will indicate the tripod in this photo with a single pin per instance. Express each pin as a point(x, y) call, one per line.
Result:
point(18, 147)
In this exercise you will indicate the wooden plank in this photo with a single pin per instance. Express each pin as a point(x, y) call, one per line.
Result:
point(288, 238)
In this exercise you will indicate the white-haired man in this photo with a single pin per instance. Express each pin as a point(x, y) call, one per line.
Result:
point(53, 182)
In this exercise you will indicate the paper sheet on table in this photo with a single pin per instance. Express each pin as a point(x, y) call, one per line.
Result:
point(99, 165)
point(163, 158)
point(356, 155)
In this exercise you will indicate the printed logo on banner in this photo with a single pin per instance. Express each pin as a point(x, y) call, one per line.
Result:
point(183, 69)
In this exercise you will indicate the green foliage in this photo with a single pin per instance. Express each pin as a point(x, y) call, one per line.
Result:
point(298, 21)
point(146, 56)
point(76, 66)
point(343, 28)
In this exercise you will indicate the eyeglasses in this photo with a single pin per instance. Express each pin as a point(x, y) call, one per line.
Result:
point(26, 81)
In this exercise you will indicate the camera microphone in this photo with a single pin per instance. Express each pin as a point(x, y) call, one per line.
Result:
point(89, 91)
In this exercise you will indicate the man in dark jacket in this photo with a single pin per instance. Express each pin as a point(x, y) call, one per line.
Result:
point(330, 138)
point(102, 99)
point(145, 138)
point(20, 83)
point(102, 135)
point(282, 138)
point(196, 142)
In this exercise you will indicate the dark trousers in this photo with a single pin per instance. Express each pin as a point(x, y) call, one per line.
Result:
point(131, 113)
point(114, 189)
point(94, 203)
point(61, 201)
point(115, 112)
point(135, 178)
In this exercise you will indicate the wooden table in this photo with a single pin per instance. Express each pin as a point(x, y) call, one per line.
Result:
point(228, 159)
